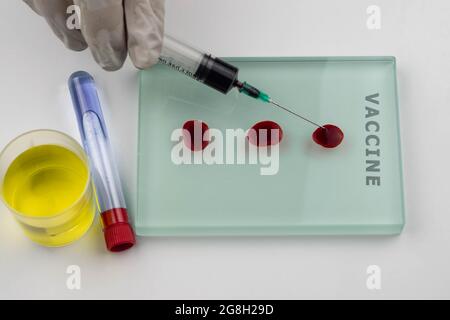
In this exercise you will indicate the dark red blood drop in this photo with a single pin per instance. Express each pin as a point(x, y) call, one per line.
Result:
point(263, 129)
point(330, 137)
point(195, 135)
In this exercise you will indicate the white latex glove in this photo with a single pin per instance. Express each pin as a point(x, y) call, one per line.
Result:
point(110, 28)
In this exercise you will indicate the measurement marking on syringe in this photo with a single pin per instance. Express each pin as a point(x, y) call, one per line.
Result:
point(177, 67)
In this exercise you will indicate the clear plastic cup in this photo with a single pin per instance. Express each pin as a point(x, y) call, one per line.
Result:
point(46, 183)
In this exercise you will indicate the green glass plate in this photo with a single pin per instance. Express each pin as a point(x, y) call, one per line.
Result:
point(352, 189)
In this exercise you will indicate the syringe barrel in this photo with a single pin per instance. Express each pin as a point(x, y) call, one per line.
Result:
point(198, 65)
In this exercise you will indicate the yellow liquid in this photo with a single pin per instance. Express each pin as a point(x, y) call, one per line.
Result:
point(48, 186)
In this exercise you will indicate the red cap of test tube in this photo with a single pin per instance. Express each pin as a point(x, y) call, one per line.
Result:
point(119, 235)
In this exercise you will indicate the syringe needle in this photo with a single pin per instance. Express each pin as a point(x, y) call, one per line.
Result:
point(253, 92)
point(295, 114)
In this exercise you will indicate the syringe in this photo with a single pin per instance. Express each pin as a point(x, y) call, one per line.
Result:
point(214, 72)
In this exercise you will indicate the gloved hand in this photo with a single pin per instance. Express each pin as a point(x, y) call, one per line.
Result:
point(110, 28)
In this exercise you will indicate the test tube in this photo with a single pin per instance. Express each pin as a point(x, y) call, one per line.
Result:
point(118, 233)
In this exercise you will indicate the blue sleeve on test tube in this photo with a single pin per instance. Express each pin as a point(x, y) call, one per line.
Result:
point(85, 98)
point(95, 141)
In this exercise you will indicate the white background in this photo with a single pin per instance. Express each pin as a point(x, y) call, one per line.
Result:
point(34, 70)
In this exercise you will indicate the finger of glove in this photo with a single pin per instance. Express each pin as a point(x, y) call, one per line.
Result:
point(145, 30)
point(103, 28)
point(59, 15)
